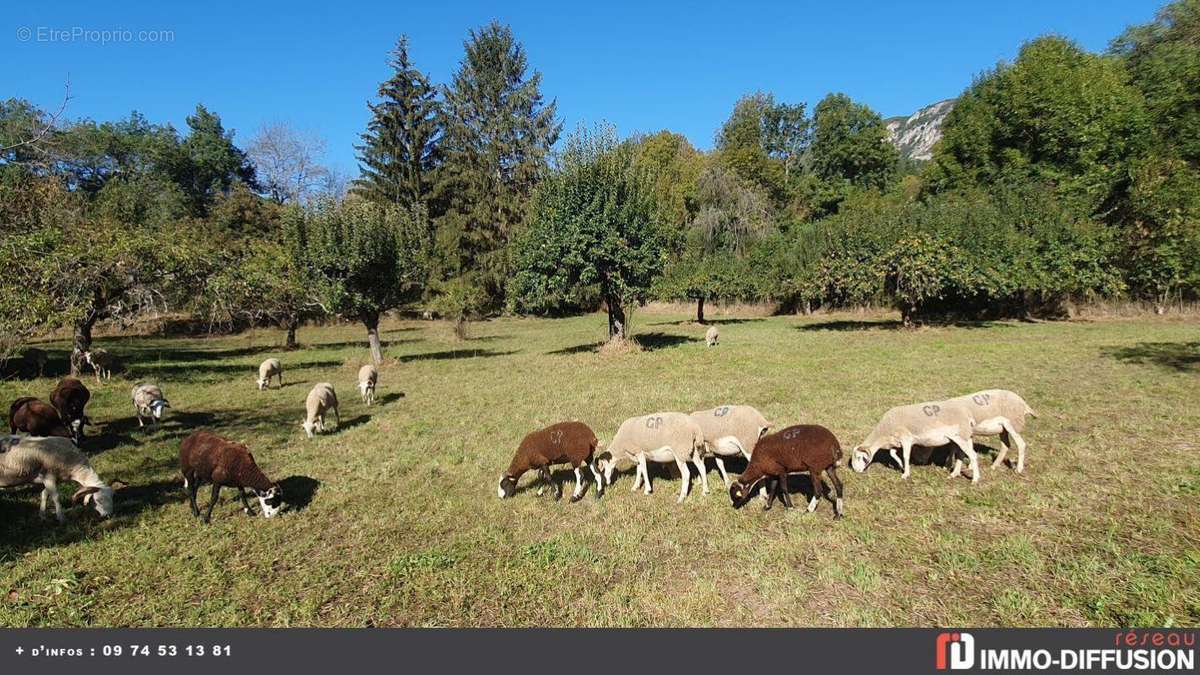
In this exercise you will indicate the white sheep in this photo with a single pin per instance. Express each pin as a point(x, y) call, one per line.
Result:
point(711, 337)
point(997, 412)
point(101, 361)
point(729, 431)
point(930, 424)
point(368, 377)
point(320, 400)
point(660, 437)
point(48, 460)
point(148, 401)
point(268, 369)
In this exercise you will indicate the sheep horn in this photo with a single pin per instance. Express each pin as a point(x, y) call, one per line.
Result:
point(83, 492)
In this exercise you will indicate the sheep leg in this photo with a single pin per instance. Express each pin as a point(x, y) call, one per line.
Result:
point(685, 482)
point(818, 490)
point(245, 502)
point(337, 416)
point(699, 462)
point(1011, 437)
point(599, 478)
point(968, 449)
point(193, 486)
point(216, 494)
point(50, 489)
point(549, 478)
point(784, 496)
point(895, 457)
point(578, 492)
point(644, 471)
point(721, 468)
point(769, 490)
point(837, 488)
point(139, 416)
point(906, 465)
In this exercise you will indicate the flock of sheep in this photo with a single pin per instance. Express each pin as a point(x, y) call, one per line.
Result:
point(740, 430)
point(50, 453)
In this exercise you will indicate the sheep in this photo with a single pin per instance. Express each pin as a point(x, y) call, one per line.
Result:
point(729, 431)
point(571, 443)
point(148, 401)
point(37, 418)
point(71, 397)
point(711, 337)
point(46, 461)
point(997, 412)
point(268, 369)
point(35, 359)
point(207, 457)
point(320, 400)
point(803, 447)
point(368, 376)
point(928, 424)
point(101, 361)
point(660, 437)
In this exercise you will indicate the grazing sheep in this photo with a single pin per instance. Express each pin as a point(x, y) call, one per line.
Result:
point(804, 447)
point(320, 400)
point(46, 461)
point(729, 431)
point(205, 457)
point(368, 376)
point(660, 437)
point(711, 337)
point(148, 401)
point(571, 443)
point(997, 412)
point(268, 369)
point(36, 417)
point(71, 397)
point(930, 424)
point(35, 359)
point(101, 361)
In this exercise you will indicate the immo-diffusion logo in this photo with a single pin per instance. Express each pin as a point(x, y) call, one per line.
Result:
point(959, 647)
point(1154, 650)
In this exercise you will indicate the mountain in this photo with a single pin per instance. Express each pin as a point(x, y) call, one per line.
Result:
point(915, 135)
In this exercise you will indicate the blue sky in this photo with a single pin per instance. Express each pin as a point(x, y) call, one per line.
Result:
point(642, 66)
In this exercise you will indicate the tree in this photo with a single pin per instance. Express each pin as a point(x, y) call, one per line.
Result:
point(399, 150)
point(593, 224)
point(210, 164)
point(498, 134)
point(849, 149)
point(287, 162)
point(365, 258)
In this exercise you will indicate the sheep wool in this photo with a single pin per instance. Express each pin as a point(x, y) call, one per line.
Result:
point(267, 370)
point(997, 412)
point(659, 437)
point(729, 431)
point(571, 443)
point(929, 424)
point(47, 461)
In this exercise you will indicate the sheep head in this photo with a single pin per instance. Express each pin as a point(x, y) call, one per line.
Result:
point(507, 486)
point(271, 500)
point(740, 493)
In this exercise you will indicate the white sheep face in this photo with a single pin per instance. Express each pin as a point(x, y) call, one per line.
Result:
point(262, 383)
point(271, 501)
point(309, 427)
point(157, 407)
point(101, 500)
point(859, 460)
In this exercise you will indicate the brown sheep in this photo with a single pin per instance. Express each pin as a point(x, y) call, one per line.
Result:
point(804, 447)
point(36, 417)
point(571, 443)
point(71, 397)
point(205, 457)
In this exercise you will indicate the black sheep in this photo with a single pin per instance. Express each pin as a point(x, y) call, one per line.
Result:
point(36, 417)
point(804, 447)
point(71, 397)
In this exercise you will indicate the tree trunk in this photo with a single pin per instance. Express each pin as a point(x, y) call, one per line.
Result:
point(700, 309)
point(460, 327)
point(617, 324)
point(291, 324)
point(372, 323)
point(81, 343)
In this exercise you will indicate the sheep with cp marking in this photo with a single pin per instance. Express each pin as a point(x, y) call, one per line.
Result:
point(802, 448)
point(729, 431)
point(268, 369)
point(37, 418)
point(997, 412)
point(71, 397)
point(712, 336)
point(660, 437)
point(930, 424)
point(148, 401)
point(46, 462)
point(320, 400)
point(205, 457)
point(368, 377)
point(571, 443)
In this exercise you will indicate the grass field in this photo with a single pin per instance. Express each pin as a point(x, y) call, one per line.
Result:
point(395, 520)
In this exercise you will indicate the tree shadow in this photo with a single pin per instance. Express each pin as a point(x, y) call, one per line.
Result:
point(851, 325)
point(653, 341)
point(707, 322)
point(1181, 357)
point(194, 372)
point(347, 425)
point(298, 491)
point(577, 349)
point(454, 354)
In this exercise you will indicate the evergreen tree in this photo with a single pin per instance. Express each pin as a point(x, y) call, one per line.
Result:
point(210, 164)
point(399, 150)
point(498, 132)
